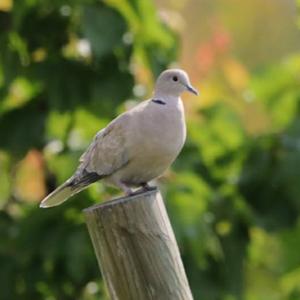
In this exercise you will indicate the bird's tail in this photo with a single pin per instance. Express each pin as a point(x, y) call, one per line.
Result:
point(79, 181)
point(60, 195)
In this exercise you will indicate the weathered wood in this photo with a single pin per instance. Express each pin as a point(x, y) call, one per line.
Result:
point(136, 249)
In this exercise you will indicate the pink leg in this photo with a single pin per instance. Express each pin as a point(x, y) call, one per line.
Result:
point(127, 190)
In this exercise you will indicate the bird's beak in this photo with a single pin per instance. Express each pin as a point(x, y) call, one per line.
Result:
point(192, 89)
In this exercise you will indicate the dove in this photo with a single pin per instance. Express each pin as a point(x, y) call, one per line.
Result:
point(137, 146)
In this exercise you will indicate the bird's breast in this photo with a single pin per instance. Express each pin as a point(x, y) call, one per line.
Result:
point(159, 137)
point(162, 130)
point(155, 137)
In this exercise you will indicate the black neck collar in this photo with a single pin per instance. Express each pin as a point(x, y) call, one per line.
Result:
point(158, 101)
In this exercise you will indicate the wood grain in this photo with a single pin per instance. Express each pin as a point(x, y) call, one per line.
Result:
point(136, 249)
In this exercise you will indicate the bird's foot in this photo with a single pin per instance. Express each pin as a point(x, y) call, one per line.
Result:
point(146, 187)
point(127, 190)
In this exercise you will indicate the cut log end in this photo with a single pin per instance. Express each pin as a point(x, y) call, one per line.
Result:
point(122, 199)
point(136, 248)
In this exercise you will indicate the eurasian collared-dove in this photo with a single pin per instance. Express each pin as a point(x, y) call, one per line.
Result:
point(137, 146)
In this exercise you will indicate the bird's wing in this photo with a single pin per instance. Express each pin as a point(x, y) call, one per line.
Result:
point(107, 152)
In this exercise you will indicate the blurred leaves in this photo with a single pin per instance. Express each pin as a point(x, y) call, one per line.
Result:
point(94, 26)
point(66, 68)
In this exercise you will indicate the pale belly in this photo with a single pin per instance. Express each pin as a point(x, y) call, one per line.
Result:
point(149, 162)
point(142, 169)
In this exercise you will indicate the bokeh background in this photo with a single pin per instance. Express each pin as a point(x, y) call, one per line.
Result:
point(233, 195)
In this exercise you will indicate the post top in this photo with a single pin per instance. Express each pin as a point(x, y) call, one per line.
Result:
point(119, 200)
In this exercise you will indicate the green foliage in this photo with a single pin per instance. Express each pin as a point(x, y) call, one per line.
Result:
point(240, 239)
point(65, 71)
point(65, 68)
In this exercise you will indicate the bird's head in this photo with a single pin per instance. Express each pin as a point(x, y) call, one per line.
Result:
point(174, 82)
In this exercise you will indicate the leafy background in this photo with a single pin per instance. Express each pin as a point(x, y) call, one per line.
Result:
point(68, 67)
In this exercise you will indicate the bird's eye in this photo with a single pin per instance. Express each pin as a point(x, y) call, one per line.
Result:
point(175, 78)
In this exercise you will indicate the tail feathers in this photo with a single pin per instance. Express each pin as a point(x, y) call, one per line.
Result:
point(60, 195)
point(72, 186)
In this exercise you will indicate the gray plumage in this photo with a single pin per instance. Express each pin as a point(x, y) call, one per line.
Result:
point(137, 146)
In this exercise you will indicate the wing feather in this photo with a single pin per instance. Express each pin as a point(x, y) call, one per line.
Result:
point(107, 152)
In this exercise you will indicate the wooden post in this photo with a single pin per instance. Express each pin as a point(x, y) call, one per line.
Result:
point(136, 249)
